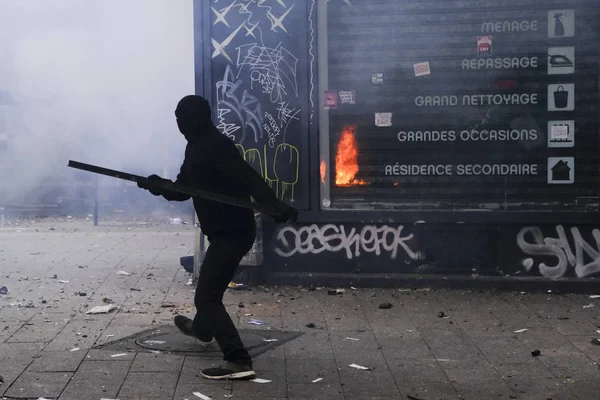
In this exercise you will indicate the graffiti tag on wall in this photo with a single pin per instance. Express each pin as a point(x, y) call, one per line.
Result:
point(258, 94)
point(534, 243)
point(315, 239)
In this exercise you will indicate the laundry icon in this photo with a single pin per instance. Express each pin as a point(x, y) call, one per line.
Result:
point(561, 97)
point(561, 60)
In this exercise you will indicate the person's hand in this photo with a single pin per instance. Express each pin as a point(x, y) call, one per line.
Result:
point(147, 184)
point(286, 214)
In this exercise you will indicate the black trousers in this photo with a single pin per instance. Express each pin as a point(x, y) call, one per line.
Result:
point(212, 320)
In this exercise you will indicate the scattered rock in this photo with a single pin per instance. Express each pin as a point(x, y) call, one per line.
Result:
point(536, 353)
point(44, 301)
point(335, 292)
point(385, 306)
point(311, 325)
point(82, 294)
point(441, 314)
point(596, 342)
point(241, 305)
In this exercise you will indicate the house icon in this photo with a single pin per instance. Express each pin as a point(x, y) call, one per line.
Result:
point(561, 171)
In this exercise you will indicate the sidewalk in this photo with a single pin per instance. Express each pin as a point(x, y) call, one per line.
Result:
point(429, 345)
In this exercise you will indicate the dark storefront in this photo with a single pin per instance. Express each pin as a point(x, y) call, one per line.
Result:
point(431, 141)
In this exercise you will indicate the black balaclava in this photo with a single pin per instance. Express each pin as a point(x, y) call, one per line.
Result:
point(193, 116)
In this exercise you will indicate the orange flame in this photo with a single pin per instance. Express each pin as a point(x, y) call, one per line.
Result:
point(346, 165)
point(323, 170)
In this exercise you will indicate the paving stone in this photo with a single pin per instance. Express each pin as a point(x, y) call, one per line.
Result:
point(319, 390)
point(471, 371)
point(484, 389)
point(555, 389)
point(214, 390)
point(96, 379)
point(107, 355)
point(149, 362)
point(149, 384)
point(57, 361)
point(305, 370)
point(277, 388)
point(418, 372)
point(79, 333)
point(39, 384)
point(313, 344)
point(428, 390)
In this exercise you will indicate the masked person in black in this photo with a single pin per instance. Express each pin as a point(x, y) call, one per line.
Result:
point(213, 163)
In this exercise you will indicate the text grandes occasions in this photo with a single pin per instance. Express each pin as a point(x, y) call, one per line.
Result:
point(468, 135)
point(461, 169)
point(478, 100)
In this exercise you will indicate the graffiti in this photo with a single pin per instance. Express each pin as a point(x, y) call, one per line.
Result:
point(274, 69)
point(532, 242)
point(316, 239)
point(271, 128)
point(282, 173)
point(311, 52)
point(277, 22)
point(247, 109)
point(220, 47)
point(258, 97)
point(220, 15)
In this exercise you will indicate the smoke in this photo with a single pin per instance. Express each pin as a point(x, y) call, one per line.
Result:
point(96, 81)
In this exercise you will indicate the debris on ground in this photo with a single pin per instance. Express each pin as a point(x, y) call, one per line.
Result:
point(102, 309)
point(124, 273)
point(241, 305)
point(356, 366)
point(190, 282)
point(351, 338)
point(60, 281)
point(3, 290)
point(82, 294)
point(118, 355)
point(317, 380)
point(536, 353)
point(385, 306)
point(311, 325)
point(155, 342)
point(335, 292)
point(236, 286)
point(55, 276)
point(270, 340)
point(521, 330)
point(441, 314)
point(410, 397)
point(200, 395)
point(107, 300)
point(588, 306)
point(259, 380)
point(256, 322)
point(595, 296)
point(75, 349)
point(135, 289)
point(596, 342)
point(167, 305)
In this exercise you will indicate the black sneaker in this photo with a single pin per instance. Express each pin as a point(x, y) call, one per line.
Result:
point(185, 326)
point(230, 370)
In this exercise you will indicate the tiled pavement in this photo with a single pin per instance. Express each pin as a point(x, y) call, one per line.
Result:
point(412, 351)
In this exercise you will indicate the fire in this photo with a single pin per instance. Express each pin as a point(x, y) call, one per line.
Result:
point(346, 166)
point(323, 170)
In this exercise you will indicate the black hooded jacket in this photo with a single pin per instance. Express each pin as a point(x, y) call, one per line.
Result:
point(213, 163)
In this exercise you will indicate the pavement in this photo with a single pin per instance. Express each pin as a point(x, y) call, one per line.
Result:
point(430, 345)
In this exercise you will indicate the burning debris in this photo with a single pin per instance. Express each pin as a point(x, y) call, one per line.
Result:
point(323, 170)
point(346, 165)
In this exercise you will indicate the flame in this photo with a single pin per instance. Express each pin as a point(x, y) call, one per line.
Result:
point(346, 166)
point(323, 170)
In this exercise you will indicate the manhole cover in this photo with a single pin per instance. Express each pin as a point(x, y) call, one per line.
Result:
point(168, 339)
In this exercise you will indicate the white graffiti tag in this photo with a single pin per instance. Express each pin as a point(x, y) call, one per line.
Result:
point(316, 239)
point(247, 108)
point(560, 249)
point(274, 69)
